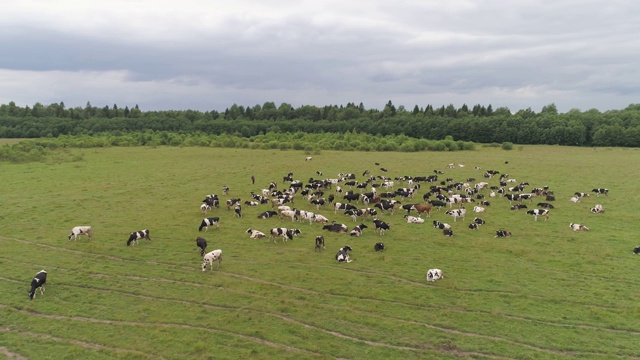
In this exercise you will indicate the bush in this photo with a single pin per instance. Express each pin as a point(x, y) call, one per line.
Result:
point(507, 145)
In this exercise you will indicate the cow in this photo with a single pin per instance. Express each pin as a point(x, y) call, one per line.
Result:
point(478, 209)
point(413, 219)
point(518, 206)
point(212, 200)
point(581, 194)
point(578, 227)
point(321, 219)
point(340, 206)
point(479, 221)
point(545, 205)
point(212, 221)
point(423, 209)
point(81, 230)
point(319, 243)
point(267, 214)
point(335, 227)
point(437, 203)
point(225, 190)
point(636, 250)
point(599, 191)
point(232, 202)
point(289, 213)
point(343, 255)
point(386, 205)
point(378, 246)
point(439, 225)
point(447, 232)
point(550, 198)
point(255, 234)
point(318, 202)
point(204, 209)
point(202, 244)
point(575, 199)
point(308, 158)
point(357, 231)
point(381, 226)
point(38, 282)
point(137, 235)
point(252, 203)
point(434, 274)
point(306, 215)
point(597, 209)
point(502, 234)
point(210, 258)
point(539, 212)
point(459, 213)
point(284, 233)
point(474, 226)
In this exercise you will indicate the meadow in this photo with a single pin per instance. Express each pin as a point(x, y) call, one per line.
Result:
point(544, 293)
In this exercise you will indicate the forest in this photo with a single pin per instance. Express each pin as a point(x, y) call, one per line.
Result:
point(478, 124)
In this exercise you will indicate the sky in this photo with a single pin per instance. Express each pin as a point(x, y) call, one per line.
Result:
point(208, 55)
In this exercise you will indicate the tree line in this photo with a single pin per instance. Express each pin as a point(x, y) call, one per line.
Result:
point(479, 124)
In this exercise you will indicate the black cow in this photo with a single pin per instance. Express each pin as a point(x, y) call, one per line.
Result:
point(202, 244)
point(502, 233)
point(38, 282)
point(339, 228)
point(447, 232)
point(212, 221)
point(381, 226)
point(135, 236)
point(351, 197)
point(319, 243)
point(636, 250)
point(545, 205)
point(378, 247)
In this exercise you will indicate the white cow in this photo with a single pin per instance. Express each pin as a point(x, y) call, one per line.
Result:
point(478, 209)
point(255, 234)
point(434, 274)
point(414, 219)
point(80, 230)
point(578, 227)
point(210, 258)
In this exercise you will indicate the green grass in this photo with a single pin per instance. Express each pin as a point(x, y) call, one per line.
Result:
point(546, 292)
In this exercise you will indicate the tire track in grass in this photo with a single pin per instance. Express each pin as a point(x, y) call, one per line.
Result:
point(83, 344)
point(165, 325)
point(11, 355)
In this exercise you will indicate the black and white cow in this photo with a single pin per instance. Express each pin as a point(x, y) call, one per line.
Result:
point(335, 227)
point(457, 213)
point(38, 282)
point(597, 209)
point(539, 212)
point(81, 230)
point(237, 209)
point(252, 203)
point(414, 219)
point(545, 205)
point(284, 233)
point(267, 214)
point(319, 243)
point(434, 274)
point(447, 232)
point(386, 205)
point(636, 250)
point(255, 234)
point(357, 231)
point(232, 202)
point(378, 246)
point(202, 244)
point(212, 221)
point(479, 221)
point(600, 191)
point(502, 234)
point(518, 206)
point(578, 227)
point(343, 255)
point(380, 226)
point(474, 226)
point(440, 225)
point(210, 258)
point(204, 209)
point(138, 235)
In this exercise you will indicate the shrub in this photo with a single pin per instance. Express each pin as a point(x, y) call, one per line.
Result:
point(507, 145)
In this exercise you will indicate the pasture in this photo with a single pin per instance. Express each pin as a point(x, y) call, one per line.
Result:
point(544, 293)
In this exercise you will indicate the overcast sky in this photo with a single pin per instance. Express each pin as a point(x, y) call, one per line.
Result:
point(208, 55)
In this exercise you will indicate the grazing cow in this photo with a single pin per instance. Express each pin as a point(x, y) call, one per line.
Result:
point(38, 282)
point(386, 205)
point(343, 255)
point(255, 234)
point(413, 219)
point(284, 233)
point(539, 212)
point(381, 226)
point(335, 227)
point(597, 209)
point(636, 250)
point(578, 227)
point(439, 225)
point(434, 274)
point(447, 232)
point(267, 214)
point(289, 213)
point(423, 209)
point(502, 234)
point(545, 205)
point(318, 202)
point(437, 203)
point(137, 235)
point(600, 191)
point(459, 213)
point(202, 244)
point(212, 221)
point(378, 246)
point(210, 258)
point(319, 243)
point(357, 231)
point(81, 230)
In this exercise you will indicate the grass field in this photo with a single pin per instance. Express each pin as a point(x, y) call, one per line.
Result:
point(545, 293)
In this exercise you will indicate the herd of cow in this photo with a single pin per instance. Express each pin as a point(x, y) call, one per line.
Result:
point(379, 195)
